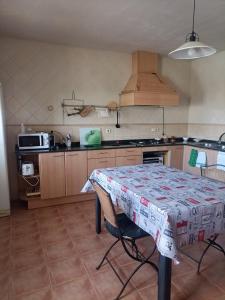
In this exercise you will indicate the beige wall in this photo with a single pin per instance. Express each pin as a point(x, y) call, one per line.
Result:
point(35, 75)
point(207, 90)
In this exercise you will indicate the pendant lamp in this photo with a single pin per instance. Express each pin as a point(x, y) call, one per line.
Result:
point(192, 48)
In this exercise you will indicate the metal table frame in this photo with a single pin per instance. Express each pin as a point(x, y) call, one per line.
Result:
point(165, 263)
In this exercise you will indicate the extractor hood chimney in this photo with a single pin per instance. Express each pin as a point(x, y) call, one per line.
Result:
point(146, 86)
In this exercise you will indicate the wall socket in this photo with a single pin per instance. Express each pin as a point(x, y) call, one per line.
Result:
point(108, 130)
point(155, 129)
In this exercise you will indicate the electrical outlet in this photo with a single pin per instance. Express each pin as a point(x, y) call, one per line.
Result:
point(108, 130)
point(157, 129)
point(153, 129)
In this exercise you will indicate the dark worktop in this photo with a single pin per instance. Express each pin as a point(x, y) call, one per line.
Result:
point(118, 144)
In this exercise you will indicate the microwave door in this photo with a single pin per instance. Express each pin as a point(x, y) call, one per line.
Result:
point(29, 141)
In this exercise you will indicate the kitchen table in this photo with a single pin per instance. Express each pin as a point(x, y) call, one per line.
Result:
point(176, 208)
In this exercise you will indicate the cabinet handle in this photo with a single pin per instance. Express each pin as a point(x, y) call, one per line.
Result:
point(131, 159)
point(131, 151)
point(102, 152)
point(72, 154)
point(58, 155)
point(103, 161)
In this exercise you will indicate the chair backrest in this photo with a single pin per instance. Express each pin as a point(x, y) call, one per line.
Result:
point(106, 203)
point(212, 171)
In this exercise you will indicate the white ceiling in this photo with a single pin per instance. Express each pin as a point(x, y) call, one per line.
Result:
point(121, 25)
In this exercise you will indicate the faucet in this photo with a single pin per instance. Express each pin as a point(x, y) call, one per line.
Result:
point(220, 138)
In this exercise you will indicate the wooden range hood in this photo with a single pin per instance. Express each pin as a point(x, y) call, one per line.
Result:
point(146, 86)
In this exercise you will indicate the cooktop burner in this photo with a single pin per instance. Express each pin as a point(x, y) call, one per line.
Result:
point(146, 142)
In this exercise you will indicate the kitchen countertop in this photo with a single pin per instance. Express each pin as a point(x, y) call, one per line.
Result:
point(118, 144)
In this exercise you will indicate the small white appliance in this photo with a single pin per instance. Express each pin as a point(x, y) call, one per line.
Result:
point(32, 141)
point(27, 169)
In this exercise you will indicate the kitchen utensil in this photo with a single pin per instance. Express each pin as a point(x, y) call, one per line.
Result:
point(86, 110)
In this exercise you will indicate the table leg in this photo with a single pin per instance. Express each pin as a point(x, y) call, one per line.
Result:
point(98, 215)
point(164, 280)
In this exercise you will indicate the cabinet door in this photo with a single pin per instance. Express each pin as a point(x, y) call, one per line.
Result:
point(52, 175)
point(176, 159)
point(98, 163)
point(76, 171)
point(128, 161)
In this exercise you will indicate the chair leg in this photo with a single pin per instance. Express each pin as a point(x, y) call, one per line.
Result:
point(133, 273)
point(211, 242)
point(107, 252)
point(127, 281)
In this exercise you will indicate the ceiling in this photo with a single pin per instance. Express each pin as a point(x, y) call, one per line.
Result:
point(119, 25)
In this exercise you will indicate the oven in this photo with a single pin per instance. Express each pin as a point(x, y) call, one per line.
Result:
point(151, 157)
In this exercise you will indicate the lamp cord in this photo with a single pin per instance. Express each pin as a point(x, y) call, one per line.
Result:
point(193, 21)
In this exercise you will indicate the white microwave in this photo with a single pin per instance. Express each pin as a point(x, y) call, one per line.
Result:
point(32, 141)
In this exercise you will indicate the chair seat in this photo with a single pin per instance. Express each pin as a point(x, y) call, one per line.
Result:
point(127, 227)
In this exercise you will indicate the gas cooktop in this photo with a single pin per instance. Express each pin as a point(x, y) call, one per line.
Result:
point(137, 143)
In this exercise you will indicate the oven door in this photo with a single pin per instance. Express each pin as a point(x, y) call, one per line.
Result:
point(153, 157)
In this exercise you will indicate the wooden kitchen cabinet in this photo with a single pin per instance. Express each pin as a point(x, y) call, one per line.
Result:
point(98, 159)
point(52, 175)
point(129, 157)
point(98, 163)
point(176, 157)
point(129, 161)
point(75, 171)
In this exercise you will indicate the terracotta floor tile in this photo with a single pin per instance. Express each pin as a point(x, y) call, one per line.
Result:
point(66, 270)
point(23, 217)
point(81, 230)
point(43, 294)
point(69, 210)
point(195, 286)
point(108, 285)
point(144, 276)
point(27, 259)
point(30, 280)
point(74, 220)
point(215, 273)
point(59, 250)
point(151, 292)
point(48, 223)
point(50, 235)
point(79, 289)
point(24, 229)
point(60, 243)
point(5, 230)
point(6, 285)
point(4, 246)
point(92, 260)
point(26, 242)
point(91, 244)
point(5, 262)
point(47, 213)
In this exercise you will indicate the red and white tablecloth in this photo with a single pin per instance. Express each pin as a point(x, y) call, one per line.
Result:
point(176, 208)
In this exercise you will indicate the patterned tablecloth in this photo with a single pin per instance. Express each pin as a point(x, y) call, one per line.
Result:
point(176, 208)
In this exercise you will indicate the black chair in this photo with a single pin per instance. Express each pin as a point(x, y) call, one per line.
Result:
point(210, 171)
point(125, 231)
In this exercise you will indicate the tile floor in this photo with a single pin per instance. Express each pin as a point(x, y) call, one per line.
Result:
point(51, 254)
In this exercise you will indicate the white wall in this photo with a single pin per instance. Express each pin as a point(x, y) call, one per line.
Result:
point(207, 90)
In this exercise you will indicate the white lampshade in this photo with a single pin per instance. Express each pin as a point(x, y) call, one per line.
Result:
point(192, 50)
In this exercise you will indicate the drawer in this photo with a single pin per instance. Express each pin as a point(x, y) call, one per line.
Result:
point(129, 161)
point(77, 154)
point(128, 152)
point(101, 153)
point(99, 163)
